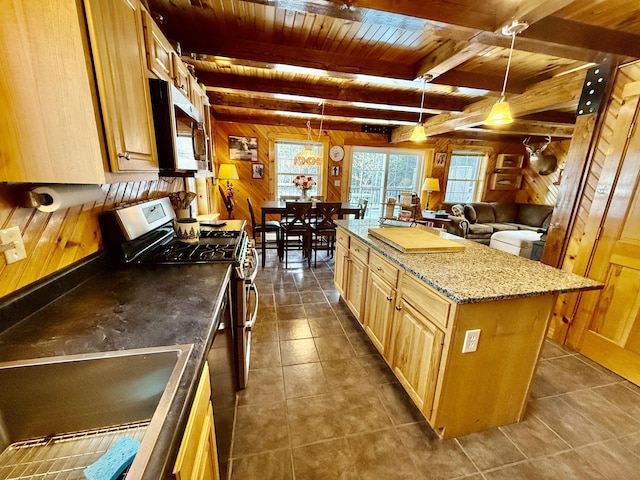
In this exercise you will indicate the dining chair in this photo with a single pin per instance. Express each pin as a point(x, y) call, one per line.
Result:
point(362, 204)
point(286, 198)
point(296, 233)
point(323, 228)
point(270, 226)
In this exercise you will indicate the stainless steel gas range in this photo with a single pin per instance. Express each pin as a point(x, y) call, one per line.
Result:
point(143, 233)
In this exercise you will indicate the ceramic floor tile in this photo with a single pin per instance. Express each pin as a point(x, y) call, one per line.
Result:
point(442, 459)
point(264, 332)
point(565, 466)
point(350, 324)
point(518, 471)
point(602, 413)
point(567, 422)
point(319, 310)
point(490, 449)
point(584, 373)
point(313, 419)
point(267, 314)
point(260, 428)
point(264, 355)
point(360, 409)
point(398, 404)
point(311, 297)
point(298, 351)
point(534, 438)
point(274, 465)
point(551, 349)
point(613, 459)
point(294, 329)
point(285, 297)
point(290, 312)
point(377, 369)
point(347, 372)
point(326, 460)
point(265, 385)
point(322, 327)
point(381, 456)
point(361, 344)
point(623, 397)
point(334, 347)
point(304, 380)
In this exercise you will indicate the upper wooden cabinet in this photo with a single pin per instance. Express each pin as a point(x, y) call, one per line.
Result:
point(56, 126)
point(159, 50)
point(117, 43)
point(181, 76)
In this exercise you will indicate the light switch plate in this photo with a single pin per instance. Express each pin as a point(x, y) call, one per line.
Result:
point(9, 236)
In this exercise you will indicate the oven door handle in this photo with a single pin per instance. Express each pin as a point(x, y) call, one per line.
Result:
point(249, 325)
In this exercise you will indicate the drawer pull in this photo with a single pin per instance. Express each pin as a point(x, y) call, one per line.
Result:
point(398, 308)
point(389, 298)
point(126, 155)
point(379, 269)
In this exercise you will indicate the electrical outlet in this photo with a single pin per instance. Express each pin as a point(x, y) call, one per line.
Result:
point(471, 339)
point(11, 237)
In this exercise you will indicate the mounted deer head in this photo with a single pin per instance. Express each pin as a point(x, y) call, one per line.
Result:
point(543, 164)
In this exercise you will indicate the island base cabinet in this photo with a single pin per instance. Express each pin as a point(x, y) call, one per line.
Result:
point(198, 454)
point(381, 300)
point(416, 352)
point(340, 269)
point(356, 286)
point(490, 387)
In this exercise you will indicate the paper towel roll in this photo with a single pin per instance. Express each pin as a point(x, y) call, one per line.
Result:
point(65, 196)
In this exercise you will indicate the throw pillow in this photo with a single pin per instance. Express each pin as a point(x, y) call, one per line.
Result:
point(470, 213)
point(457, 210)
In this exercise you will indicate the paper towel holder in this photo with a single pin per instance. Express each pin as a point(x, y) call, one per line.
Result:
point(51, 197)
point(33, 199)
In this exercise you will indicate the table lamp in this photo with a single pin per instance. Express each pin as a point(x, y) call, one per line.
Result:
point(430, 185)
point(228, 172)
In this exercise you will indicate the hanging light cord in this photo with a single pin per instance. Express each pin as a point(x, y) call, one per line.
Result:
point(506, 75)
point(424, 84)
point(321, 120)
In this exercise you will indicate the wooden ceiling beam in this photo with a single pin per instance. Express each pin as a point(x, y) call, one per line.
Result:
point(283, 121)
point(554, 93)
point(448, 56)
point(225, 99)
point(330, 92)
point(530, 11)
point(529, 128)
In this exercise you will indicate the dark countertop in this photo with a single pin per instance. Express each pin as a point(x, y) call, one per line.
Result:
point(131, 307)
point(476, 274)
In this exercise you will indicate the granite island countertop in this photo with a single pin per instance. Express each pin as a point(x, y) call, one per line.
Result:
point(476, 274)
point(127, 308)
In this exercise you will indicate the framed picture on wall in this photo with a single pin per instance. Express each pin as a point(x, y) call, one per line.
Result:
point(243, 148)
point(441, 159)
point(257, 170)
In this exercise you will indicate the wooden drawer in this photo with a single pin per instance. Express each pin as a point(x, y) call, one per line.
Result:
point(342, 238)
point(384, 269)
point(426, 300)
point(359, 250)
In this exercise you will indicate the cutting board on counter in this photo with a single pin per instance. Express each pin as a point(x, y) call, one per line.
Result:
point(414, 240)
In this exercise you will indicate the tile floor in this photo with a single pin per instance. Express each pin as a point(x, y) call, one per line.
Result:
point(322, 404)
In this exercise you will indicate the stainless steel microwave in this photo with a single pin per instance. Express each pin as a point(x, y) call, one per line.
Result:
point(180, 133)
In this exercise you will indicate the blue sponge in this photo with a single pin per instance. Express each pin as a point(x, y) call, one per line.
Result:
point(110, 465)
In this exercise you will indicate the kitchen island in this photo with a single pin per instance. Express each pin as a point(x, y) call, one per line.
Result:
point(461, 330)
point(123, 308)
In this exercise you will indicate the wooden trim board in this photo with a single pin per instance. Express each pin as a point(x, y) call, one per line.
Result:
point(414, 240)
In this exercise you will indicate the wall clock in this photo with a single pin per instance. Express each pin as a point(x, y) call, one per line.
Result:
point(336, 153)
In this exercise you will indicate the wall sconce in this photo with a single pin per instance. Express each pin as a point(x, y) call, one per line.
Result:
point(500, 113)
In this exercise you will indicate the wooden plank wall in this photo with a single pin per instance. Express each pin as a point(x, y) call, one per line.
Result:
point(56, 240)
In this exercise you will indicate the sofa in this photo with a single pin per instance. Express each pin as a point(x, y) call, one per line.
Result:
point(479, 220)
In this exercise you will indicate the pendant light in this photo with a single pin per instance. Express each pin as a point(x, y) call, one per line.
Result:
point(418, 134)
point(500, 113)
point(307, 157)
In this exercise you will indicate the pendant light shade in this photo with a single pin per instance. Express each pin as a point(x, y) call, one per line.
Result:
point(500, 113)
point(418, 134)
point(307, 157)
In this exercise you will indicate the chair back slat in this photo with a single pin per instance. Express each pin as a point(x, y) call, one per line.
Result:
point(326, 212)
point(297, 215)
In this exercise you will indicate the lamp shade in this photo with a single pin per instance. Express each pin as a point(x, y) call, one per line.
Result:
point(307, 157)
point(431, 185)
point(418, 134)
point(228, 171)
point(500, 114)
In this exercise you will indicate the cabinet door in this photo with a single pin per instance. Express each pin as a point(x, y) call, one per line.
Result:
point(417, 349)
point(158, 49)
point(356, 289)
point(379, 312)
point(115, 29)
point(50, 130)
point(341, 269)
point(181, 76)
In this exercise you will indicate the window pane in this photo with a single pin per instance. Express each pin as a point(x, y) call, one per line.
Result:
point(286, 171)
point(462, 181)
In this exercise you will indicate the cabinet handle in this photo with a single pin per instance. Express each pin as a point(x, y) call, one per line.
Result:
point(398, 308)
point(379, 269)
point(389, 298)
point(126, 155)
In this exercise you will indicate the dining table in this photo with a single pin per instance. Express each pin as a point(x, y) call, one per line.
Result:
point(278, 207)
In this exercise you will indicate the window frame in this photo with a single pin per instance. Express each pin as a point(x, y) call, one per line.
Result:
point(481, 180)
point(303, 140)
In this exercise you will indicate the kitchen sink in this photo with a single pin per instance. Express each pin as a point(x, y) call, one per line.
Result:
point(60, 414)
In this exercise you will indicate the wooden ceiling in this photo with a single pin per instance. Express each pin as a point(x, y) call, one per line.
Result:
point(276, 61)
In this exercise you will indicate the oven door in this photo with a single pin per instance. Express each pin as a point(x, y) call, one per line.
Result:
point(248, 313)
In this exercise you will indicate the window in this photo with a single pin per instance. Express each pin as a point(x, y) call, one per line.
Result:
point(463, 181)
point(378, 174)
point(286, 171)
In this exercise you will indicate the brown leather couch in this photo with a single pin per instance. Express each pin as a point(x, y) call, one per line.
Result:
point(482, 219)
